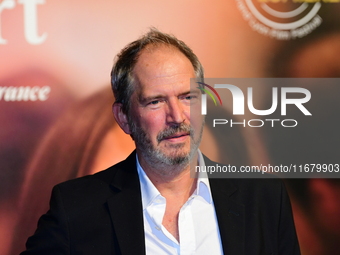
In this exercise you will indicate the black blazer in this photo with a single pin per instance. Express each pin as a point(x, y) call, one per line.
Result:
point(102, 214)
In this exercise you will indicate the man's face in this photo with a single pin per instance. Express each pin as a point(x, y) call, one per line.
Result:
point(164, 118)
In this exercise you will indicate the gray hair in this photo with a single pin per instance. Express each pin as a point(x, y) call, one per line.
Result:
point(122, 79)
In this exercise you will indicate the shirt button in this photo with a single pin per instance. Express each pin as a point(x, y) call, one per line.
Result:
point(158, 200)
point(157, 228)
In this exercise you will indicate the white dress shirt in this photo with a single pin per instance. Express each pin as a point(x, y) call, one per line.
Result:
point(197, 223)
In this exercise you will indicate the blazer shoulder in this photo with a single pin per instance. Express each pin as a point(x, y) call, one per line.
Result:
point(103, 180)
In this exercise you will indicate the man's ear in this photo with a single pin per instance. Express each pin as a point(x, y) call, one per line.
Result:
point(121, 118)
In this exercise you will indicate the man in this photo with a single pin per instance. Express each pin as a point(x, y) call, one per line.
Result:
point(149, 203)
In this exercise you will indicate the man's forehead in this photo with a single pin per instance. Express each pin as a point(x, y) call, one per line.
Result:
point(157, 90)
point(162, 69)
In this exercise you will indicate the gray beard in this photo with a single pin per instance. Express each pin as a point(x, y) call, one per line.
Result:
point(156, 158)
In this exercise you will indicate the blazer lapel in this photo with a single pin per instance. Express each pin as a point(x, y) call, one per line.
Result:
point(230, 215)
point(125, 208)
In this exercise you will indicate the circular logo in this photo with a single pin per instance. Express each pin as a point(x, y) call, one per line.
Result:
point(281, 19)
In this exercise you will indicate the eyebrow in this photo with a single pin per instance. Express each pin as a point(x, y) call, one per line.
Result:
point(142, 99)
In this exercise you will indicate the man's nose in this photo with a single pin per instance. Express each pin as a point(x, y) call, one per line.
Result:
point(175, 112)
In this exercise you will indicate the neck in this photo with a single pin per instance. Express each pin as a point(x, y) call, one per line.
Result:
point(171, 180)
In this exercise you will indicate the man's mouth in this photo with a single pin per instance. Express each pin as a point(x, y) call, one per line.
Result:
point(177, 136)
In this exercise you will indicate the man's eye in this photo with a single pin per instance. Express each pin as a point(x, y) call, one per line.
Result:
point(189, 97)
point(154, 102)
